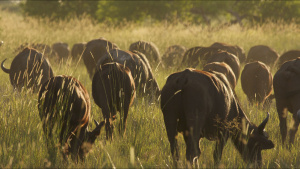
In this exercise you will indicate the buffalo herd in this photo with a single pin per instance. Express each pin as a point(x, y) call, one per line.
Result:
point(199, 102)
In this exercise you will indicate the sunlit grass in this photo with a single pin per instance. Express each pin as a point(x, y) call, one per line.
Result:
point(22, 141)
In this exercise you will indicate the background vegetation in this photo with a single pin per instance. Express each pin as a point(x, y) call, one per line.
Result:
point(198, 11)
point(22, 143)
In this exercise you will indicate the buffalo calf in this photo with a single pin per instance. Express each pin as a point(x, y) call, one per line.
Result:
point(64, 108)
point(113, 90)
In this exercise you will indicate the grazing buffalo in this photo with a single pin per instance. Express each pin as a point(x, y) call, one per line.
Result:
point(198, 55)
point(96, 49)
point(46, 50)
point(201, 104)
point(234, 49)
point(173, 55)
point(228, 58)
point(262, 53)
point(287, 56)
point(223, 68)
point(77, 50)
point(61, 50)
point(140, 68)
point(257, 82)
point(149, 49)
point(113, 90)
point(29, 69)
point(286, 85)
point(64, 108)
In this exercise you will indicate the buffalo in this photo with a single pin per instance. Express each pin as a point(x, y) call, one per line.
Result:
point(28, 69)
point(149, 49)
point(140, 69)
point(234, 49)
point(223, 68)
point(198, 55)
point(257, 82)
point(287, 56)
point(201, 104)
point(64, 108)
point(96, 49)
point(286, 85)
point(77, 50)
point(61, 50)
point(262, 53)
point(228, 58)
point(173, 55)
point(113, 90)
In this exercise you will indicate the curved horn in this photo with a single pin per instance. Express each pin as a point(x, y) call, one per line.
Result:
point(263, 124)
point(97, 124)
point(3, 68)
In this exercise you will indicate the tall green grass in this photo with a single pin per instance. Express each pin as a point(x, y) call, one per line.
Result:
point(22, 141)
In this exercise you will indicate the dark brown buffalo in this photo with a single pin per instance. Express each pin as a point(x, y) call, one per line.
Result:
point(61, 50)
point(113, 90)
point(223, 68)
point(234, 49)
point(140, 68)
point(96, 49)
point(228, 58)
point(262, 53)
point(173, 55)
point(46, 50)
point(29, 69)
point(149, 49)
point(198, 56)
point(77, 49)
point(257, 82)
point(201, 104)
point(64, 108)
point(287, 94)
point(287, 56)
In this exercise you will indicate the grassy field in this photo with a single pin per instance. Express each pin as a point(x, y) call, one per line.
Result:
point(22, 143)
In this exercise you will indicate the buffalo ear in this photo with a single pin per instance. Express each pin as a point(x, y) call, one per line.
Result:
point(96, 132)
point(263, 124)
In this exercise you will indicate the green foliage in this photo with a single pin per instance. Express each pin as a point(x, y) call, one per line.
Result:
point(59, 9)
point(141, 10)
point(197, 11)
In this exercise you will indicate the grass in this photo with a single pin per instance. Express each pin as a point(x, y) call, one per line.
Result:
point(22, 143)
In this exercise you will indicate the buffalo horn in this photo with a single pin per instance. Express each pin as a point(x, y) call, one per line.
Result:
point(97, 124)
point(3, 68)
point(263, 124)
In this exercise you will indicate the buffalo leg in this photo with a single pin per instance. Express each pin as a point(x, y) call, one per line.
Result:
point(192, 146)
point(282, 114)
point(122, 125)
point(294, 129)
point(219, 148)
